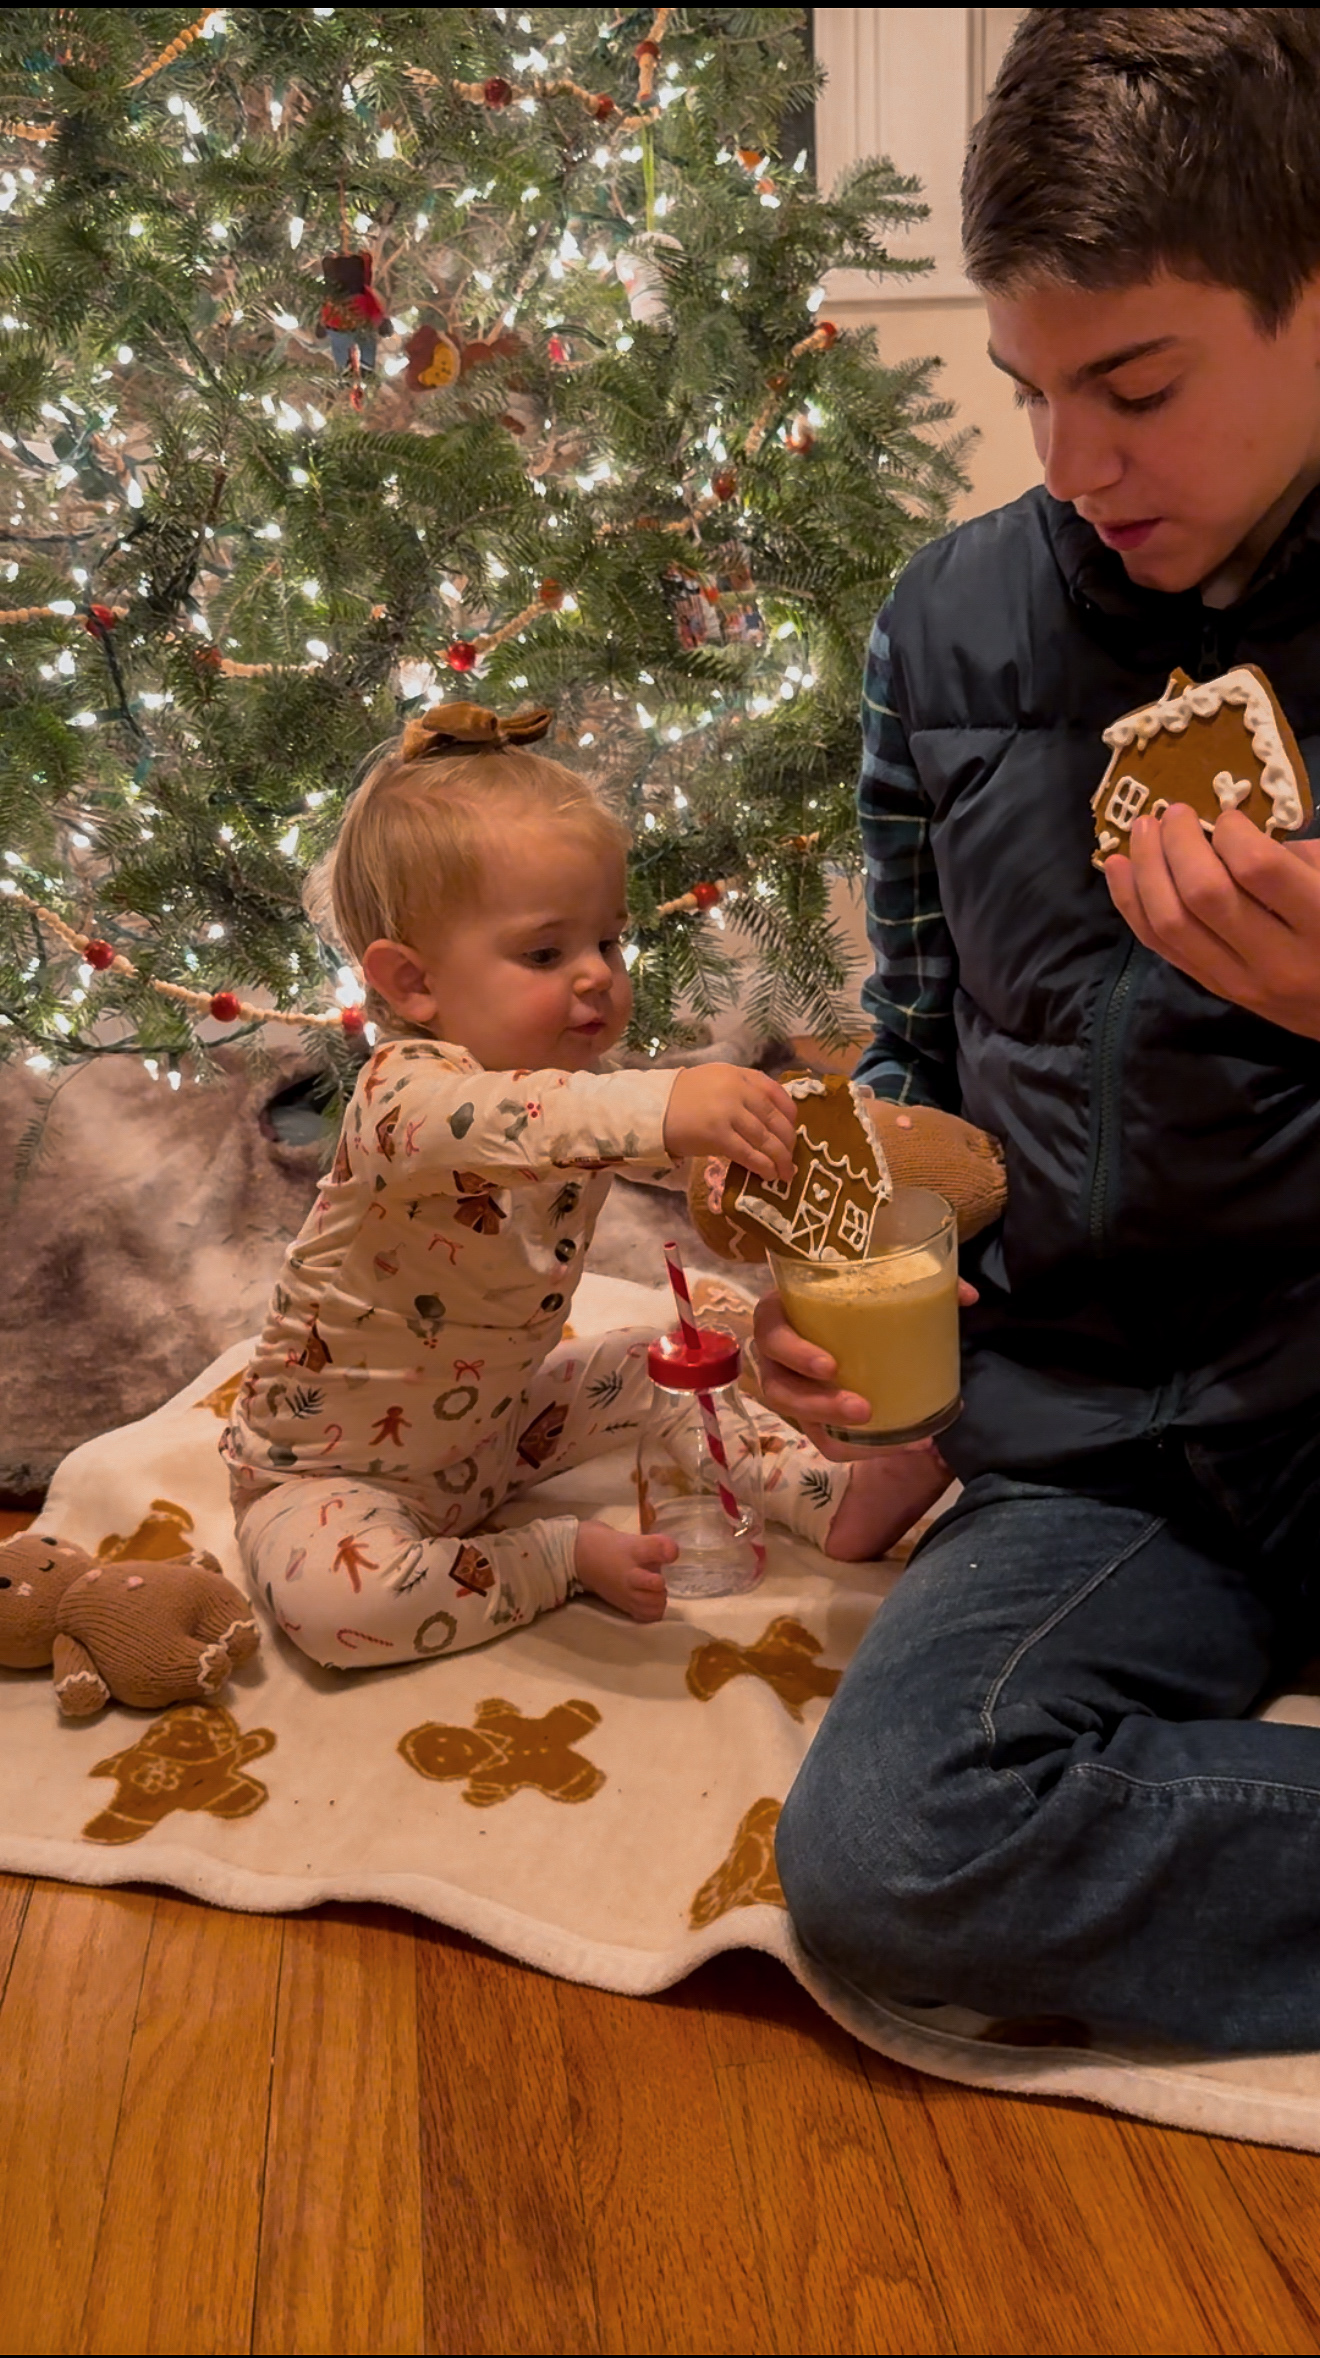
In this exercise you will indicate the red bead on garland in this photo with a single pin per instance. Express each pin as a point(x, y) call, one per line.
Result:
point(646, 49)
point(462, 655)
point(602, 107)
point(99, 954)
point(707, 896)
point(353, 1019)
point(98, 620)
point(724, 484)
point(551, 592)
point(827, 329)
point(225, 1007)
point(497, 92)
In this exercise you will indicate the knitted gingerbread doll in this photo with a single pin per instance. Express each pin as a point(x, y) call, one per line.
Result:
point(148, 1634)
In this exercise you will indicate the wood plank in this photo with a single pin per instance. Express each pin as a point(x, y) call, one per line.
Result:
point(15, 1893)
point(1042, 2226)
point(504, 2252)
point(1279, 2192)
point(1180, 2185)
point(340, 2262)
point(671, 2247)
point(66, 2026)
point(839, 2251)
point(176, 2256)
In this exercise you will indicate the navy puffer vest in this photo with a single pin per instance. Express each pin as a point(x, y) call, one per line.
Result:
point(1159, 1263)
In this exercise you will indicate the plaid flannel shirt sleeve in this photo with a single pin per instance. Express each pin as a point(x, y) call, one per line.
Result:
point(909, 996)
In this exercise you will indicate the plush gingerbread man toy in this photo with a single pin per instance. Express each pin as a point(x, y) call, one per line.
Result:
point(146, 1634)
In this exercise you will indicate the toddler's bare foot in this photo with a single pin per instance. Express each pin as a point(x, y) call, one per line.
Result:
point(887, 1492)
point(622, 1567)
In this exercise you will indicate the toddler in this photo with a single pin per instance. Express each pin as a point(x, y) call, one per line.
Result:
point(411, 1374)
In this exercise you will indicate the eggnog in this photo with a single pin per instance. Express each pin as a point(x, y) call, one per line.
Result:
point(890, 1323)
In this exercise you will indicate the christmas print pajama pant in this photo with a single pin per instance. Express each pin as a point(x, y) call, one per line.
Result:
point(358, 1574)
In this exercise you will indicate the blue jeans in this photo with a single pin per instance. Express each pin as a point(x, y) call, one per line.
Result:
point(1035, 1791)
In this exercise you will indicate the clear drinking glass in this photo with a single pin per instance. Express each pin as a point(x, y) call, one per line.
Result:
point(890, 1322)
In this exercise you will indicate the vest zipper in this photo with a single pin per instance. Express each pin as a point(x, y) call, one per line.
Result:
point(1107, 1073)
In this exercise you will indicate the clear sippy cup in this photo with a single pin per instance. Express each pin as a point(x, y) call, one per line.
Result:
point(713, 1511)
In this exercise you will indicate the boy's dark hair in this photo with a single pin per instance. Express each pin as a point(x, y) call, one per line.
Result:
point(1121, 141)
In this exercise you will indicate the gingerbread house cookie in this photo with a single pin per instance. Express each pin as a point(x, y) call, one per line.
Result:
point(827, 1210)
point(1216, 744)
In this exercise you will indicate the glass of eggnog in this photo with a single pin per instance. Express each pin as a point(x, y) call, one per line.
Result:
point(890, 1322)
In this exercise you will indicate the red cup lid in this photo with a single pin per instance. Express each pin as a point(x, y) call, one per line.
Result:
point(673, 1364)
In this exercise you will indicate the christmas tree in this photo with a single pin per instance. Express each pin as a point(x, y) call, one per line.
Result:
point(351, 359)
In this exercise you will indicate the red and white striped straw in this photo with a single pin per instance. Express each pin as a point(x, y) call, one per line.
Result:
point(682, 1298)
point(714, 1437)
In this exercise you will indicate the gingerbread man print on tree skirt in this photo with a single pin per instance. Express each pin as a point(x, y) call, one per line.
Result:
point(746, 1878)
point(503, 1753)
point(162, 1534)
point(193, 1757)
point(784, 1656)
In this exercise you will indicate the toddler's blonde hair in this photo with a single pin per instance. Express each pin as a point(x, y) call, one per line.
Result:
point(416, 839)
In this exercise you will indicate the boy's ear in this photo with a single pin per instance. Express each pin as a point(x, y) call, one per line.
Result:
point(398, 974)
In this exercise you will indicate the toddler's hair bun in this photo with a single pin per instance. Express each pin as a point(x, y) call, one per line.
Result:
point(469, 728)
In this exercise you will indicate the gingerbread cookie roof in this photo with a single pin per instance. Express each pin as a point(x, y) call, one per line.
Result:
point(1218, 745)
point(827, 1210)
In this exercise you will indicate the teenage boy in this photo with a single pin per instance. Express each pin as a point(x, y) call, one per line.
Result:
point(1037, 1790)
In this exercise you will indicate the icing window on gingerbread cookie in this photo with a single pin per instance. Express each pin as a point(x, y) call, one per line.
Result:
point(1125, 802)
point(1230, 790)
point(854, 1228)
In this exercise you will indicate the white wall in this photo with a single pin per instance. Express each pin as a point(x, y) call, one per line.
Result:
point(909, 83)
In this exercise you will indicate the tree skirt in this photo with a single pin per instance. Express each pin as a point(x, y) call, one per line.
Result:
point(593, 1798)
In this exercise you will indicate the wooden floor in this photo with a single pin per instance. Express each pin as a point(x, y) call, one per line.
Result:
point(351, 2131)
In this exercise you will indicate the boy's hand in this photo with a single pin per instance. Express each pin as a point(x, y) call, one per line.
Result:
point(798, 1382)
point(724, 1109)
point(1237, 911)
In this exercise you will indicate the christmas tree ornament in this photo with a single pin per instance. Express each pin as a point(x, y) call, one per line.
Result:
point(641, 278)
point(353, 316)
point(353, 1020)
point(724, 484)
point(497, 92)
point(602, 106)
point(707, 896)
point(98, 620)
point(226, 1007)
point(434, 360)
point(98, 953)
point(551, 593)
point(460, 655)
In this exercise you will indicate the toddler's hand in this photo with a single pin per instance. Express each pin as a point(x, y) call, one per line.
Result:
point(624, 1569)
point(725, 1109)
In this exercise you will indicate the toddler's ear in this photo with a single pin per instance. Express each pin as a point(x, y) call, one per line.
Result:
point(398, 974)
point(927, 1148)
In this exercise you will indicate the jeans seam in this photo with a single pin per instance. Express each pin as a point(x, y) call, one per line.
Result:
point(1052, 1620)
point(1175, 1785)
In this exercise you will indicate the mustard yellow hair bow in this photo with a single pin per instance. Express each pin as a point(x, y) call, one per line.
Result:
point(469, 728)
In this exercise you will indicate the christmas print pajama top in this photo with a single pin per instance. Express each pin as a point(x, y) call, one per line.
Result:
point(412, 1375)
